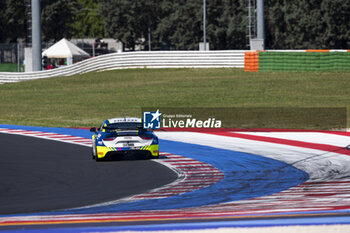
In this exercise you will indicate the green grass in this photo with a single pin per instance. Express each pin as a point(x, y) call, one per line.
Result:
point(85, 100)
point(10, 67)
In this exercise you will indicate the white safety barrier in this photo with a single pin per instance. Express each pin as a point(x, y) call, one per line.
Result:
point(162, 59)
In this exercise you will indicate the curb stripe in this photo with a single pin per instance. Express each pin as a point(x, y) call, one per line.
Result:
point(309, 145)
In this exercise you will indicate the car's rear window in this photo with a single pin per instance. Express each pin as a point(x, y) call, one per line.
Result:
point(124, 125)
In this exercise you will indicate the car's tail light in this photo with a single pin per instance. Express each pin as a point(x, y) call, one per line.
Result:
point(146, 137)
point(109, 139)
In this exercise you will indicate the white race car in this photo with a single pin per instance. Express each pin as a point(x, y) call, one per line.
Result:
point(122, 136)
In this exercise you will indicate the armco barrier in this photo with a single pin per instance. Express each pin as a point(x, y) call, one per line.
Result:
point(303, 60)
point(163, 59)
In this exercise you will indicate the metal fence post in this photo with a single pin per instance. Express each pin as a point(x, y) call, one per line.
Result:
point(18, 67)
point(36, 35)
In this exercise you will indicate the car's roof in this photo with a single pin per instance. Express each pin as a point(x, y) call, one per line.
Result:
point(124, 119)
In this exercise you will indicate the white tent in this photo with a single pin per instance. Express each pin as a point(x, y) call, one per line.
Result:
point(65, 49)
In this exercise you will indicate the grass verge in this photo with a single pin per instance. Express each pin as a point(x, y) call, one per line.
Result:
point(85, 100)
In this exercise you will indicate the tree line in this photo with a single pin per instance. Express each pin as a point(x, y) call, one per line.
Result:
point(177, 25)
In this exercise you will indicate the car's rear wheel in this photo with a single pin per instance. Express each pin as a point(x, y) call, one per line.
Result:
point(96, 157)
point(93, 156)
point(153, 157)
point(93, 153)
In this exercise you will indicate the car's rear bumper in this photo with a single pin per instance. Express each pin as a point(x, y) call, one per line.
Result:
point(103, 151)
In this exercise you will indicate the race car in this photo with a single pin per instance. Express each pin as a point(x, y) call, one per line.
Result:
point(123, 136)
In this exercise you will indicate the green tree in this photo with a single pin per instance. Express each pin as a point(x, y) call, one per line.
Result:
point(336, 15)
point(13, 20)
point(181, 26)
point(176, 24)
point(126, 22)
point(235, 17)
point(88, 21)
point(304, 24)
point(275, 24)
point(57, 19)
point(163, 29)
point(312, 24)
point(2, 22)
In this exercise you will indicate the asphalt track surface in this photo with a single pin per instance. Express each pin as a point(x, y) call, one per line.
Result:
point(38, 175)
point(324, 200)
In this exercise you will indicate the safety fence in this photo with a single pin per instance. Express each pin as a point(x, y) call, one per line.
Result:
point(284, 60)
point(163, 59)
point(302, 60)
